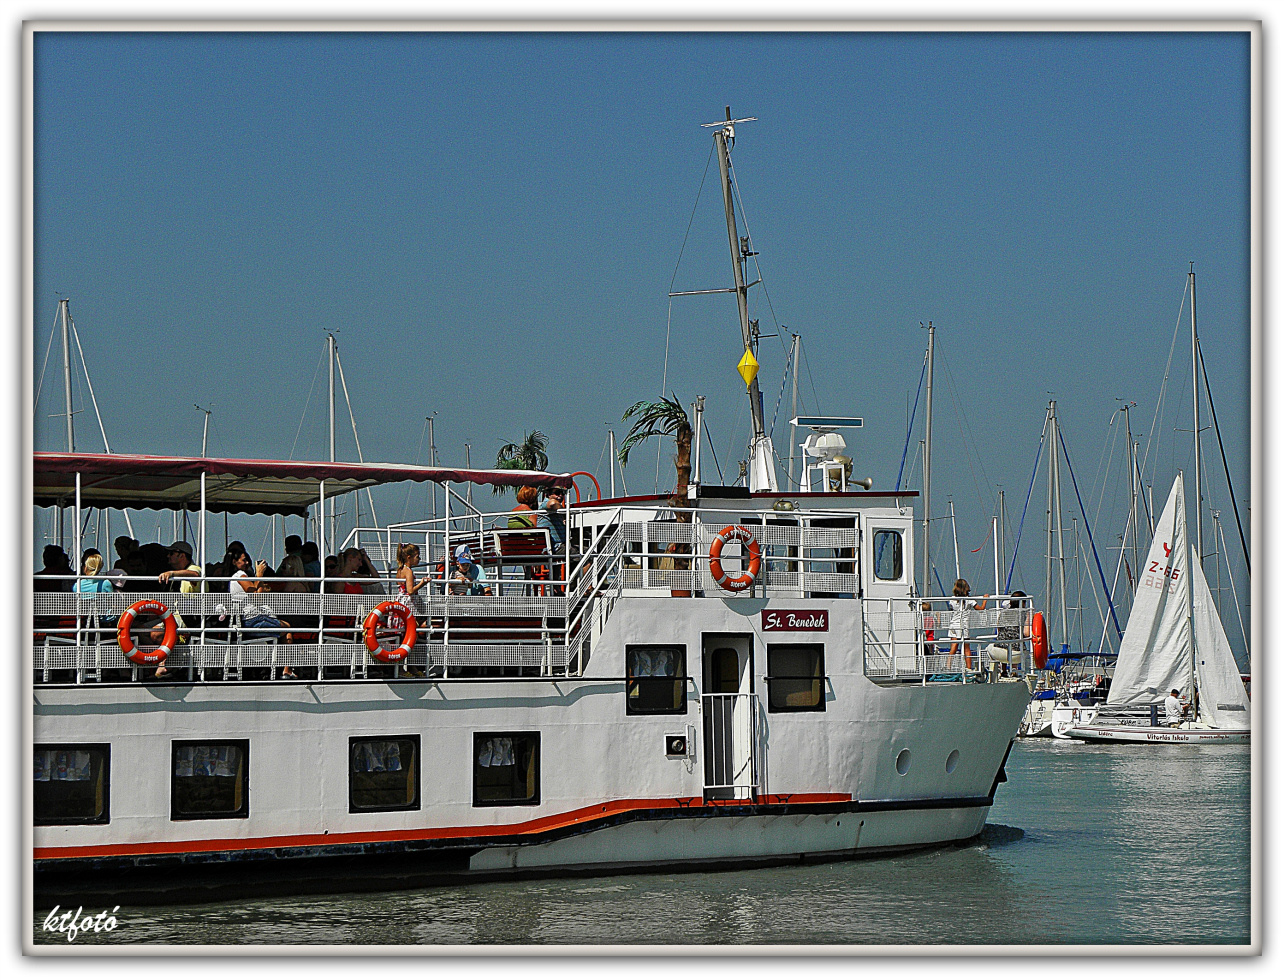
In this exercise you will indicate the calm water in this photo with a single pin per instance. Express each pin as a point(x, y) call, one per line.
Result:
point(1085, 844)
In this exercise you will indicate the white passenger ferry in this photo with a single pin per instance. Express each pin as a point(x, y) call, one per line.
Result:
point(728, 676)
point(618, 714)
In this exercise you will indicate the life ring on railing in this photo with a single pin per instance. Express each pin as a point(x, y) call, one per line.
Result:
point(596, 485)
point(735, 532)
point(149, 658)
point(380, 614)
point(1039, 640)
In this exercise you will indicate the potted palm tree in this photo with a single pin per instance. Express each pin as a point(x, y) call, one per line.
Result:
point(529, 454)
point(666, 417)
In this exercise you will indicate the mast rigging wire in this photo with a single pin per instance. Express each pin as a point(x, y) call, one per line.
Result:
point(1155, 434)
point(1229, 487)
point(48, 349)
point(909, 429)
point(306, 403)
point(1016, 544)
point(1075, 483)
point(668, 325)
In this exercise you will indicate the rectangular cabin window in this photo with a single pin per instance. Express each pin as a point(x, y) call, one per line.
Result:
point(72, 784)
point(889, 561)
point(506, 769)
point(656, 679)
point(795, 677)
point(383, 773)
point(210, 780)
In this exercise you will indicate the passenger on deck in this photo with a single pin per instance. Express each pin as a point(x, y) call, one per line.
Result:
point(356, 565)
point(181, 568)
point(125, 546)
point(332, 581)
point(524, 516)
point(291, 568)
point(293, 546)
point(134, 566)
point(407, 559)
point(469, 577)
point(311, 564)
point(929, 631)
point(1173, 709)
point(551, 517)
point(91, 564)
point(241, 583)
point(56, 563)
point(960, 621)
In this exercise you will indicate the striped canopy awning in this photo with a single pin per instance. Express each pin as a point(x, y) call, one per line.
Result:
point(242, 486)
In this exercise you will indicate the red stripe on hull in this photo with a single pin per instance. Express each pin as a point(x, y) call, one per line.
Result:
point(538, 825)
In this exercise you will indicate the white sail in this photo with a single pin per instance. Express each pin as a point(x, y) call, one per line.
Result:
point(1155, 652)
point(1223, 702)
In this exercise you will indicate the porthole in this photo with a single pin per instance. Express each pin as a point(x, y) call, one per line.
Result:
point(952, 762)
point(903, 762)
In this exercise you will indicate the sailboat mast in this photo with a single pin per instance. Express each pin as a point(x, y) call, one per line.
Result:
point(1132, 481)
point(793, 428)
point(1199, 486)
point(927, 467)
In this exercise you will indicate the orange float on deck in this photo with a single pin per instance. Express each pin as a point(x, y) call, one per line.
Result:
point(381, 614)
point(146, 607)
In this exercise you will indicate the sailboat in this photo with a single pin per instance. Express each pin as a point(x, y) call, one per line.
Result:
point(1174, 641)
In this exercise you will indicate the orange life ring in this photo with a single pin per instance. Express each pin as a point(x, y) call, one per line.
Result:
point(734, 532)
point(151, 607)
point(380, 614)
point(1039, 638)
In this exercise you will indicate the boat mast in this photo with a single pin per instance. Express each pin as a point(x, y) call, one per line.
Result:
point(793, 426)
point(1132, 480)
point(1194, 357)
point(66, 372)
point(1000, 537)
point(762, 471)
point(1054, 521)
point(334, 525)
point(927, 467)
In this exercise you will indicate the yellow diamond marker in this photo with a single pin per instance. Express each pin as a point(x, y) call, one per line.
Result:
point(748, 367)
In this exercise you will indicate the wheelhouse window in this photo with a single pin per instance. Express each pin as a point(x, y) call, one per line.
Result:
point(72, 784)
point(210, 780)
point(889, 559)
point(383, 773)
point(656, 679)
point(506, 769)
point(795, 677)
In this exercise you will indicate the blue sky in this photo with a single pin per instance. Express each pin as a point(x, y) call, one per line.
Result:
point(492, 223)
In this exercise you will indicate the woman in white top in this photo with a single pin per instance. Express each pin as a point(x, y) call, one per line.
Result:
point(241, 583)
point(960, 619)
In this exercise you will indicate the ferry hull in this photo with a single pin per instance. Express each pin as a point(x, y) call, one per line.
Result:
point(672, 839)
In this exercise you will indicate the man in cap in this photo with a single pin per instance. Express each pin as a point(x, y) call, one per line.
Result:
point(469, 577)
point(180, 576)
point(181, 568)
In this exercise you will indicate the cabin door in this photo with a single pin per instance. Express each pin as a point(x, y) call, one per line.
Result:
point(730, 711)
